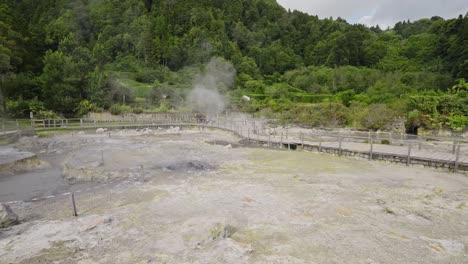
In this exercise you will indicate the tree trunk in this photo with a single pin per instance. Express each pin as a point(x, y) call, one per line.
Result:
point(148, 5)
point(2, 98)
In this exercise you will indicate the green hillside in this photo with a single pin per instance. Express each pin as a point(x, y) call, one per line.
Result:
point(68, 57)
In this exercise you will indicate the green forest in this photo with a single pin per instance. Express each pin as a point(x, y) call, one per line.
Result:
point(69, 57)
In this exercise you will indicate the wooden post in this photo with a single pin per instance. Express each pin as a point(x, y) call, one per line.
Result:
point(302, 140)
point(457, 158)
point(54, 123)
point(258, 139)
point(340, 149)
point(408, 162)
point(269, 140)
point(81, 122)
point(73, 205)
point(17, 124)
point(320, 143)
point(454, 147)
point(287, 133)
point(419, 146)
point(248, 135)
point(281, 144)
point(371, 152)
point(289, 146)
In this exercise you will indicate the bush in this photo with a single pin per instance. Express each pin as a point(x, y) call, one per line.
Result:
point(163, 108)
point(18, 109)
point(21, 109)
point(378, 117)
point(385, 142)
point(84, 107)
point(457, 122)
point(137, 110)
point(323, 114)
point(117, 109)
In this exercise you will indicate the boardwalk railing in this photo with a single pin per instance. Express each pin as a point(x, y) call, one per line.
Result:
point(447, 153)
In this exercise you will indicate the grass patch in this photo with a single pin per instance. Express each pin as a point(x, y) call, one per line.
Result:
point(48, 133)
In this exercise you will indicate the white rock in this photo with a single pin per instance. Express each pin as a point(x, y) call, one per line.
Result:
point(101, 130)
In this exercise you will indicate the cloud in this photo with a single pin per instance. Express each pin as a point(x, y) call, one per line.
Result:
point(382, 12)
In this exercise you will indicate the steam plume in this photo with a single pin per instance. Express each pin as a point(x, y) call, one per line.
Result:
point(209, 87)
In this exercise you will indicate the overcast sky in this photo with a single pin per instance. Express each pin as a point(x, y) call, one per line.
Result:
point(382, 12)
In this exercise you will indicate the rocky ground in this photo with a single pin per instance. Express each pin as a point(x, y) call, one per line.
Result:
point(191, 197)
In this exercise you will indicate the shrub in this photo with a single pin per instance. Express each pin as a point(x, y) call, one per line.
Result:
point(378, 117)
point(137, 110)
point(84, 107)
point(385, 142)
point(163, 108)
point(117, 109)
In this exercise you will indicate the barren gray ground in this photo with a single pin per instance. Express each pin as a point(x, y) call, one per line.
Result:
point(196, 202)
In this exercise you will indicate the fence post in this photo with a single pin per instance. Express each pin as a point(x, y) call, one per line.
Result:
point(248, 135)
point(320, 143)
point(419, 146)
point(73, 204)
point(302, 140)
point(81, 122)
point(454, 147)
point(408, 161)
point(281, 142)
point(269, 140)
point(340, 149)
point(457, 158)
point(371, 153)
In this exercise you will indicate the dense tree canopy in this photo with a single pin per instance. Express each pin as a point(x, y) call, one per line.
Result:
point(61, 53)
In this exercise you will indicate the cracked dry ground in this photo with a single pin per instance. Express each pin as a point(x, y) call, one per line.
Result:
point(248, 206)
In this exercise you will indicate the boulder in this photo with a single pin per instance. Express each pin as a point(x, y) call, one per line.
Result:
point(101, 130)
point(7, 216)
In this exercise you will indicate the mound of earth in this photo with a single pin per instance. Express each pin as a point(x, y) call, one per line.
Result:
point(7, 216)
point(13, 160)
point(187, 166)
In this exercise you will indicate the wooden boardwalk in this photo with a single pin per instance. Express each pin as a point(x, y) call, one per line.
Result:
point(429, 153)
point(432, 153)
